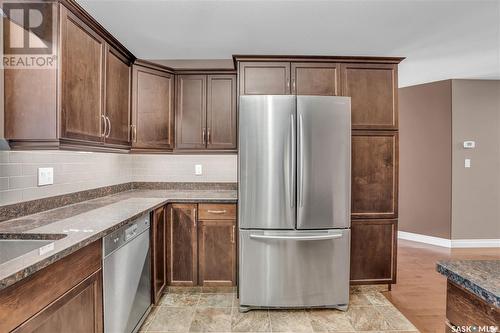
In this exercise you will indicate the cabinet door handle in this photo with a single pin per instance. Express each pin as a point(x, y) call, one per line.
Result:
point(109, 127)
point(293, 86)
point(233, 234)
point(134, 133)
point(288, 84)
point(208, 135)
point(217, 211)
point(103, 117)
point(194, 217)
point(203, 136)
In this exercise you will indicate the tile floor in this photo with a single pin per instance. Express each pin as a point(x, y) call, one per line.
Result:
point(216, 310)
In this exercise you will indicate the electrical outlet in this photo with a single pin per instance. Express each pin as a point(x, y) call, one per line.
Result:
point(45, 176)
point(467, 163)
point(198, 169)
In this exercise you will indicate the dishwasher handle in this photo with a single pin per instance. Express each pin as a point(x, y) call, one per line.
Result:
point(125, 234)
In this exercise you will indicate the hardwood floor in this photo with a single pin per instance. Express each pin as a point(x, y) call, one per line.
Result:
point(420, 292)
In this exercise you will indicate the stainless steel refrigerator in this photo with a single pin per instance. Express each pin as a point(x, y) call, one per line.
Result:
point(294, 201)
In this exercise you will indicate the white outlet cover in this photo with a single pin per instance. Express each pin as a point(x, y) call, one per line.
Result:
point(467, 163)
point(45, 176)
point(198, 169)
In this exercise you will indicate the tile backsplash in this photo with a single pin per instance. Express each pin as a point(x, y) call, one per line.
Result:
point(78, 171)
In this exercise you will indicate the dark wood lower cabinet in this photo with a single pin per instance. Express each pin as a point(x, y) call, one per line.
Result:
point(77, 311)
point(182, 249)
point(201, 242)
point(217, 252)
point(159, 253)
point(373, 251)
point(65, 296)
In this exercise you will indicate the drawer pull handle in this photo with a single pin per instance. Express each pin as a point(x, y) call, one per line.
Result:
point(217, 211)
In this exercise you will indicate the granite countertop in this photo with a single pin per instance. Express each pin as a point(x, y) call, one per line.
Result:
point(480, 277)
point(75, 226)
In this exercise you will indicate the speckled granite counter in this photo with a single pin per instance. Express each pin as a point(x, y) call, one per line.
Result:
point(83, 223)
point(480, 277)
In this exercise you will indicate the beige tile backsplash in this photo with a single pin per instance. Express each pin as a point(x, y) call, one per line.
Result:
point(77, 171)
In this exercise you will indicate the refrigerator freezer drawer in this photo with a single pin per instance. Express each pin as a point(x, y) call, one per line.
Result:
point(294, 268)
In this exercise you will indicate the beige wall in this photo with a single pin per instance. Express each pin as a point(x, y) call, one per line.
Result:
point(425, 159)
point(476, 191)
point(77, 171)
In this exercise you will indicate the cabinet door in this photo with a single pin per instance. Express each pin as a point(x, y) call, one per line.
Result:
point(82, 54)
point(374, 172)
point(373, 92)
point(182, 249)
point(79, 311)
point(315, 79)
point(191, 112)
point(117, 98)
point(264, 78)
point(221, 112)
point(373, 251)
point(159, 253)
point(217, 252)
point(152, 109)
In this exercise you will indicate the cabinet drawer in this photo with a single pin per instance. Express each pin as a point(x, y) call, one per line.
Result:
point(217, 212)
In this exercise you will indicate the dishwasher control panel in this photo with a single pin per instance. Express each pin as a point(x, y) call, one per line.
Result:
point(120, 237)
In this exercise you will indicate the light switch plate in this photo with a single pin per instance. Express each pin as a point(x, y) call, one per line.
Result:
point(45, 176)
point(467, 163)
point(198, 169)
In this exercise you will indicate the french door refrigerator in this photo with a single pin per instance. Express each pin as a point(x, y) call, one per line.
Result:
point(294, 201)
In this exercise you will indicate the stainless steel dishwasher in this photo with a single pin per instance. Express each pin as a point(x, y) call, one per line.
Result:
point(127, 277)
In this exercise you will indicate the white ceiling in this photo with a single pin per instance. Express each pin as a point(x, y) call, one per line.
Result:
point(441, 39)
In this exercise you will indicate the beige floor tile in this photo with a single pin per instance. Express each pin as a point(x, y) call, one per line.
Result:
point(149, 319)
point(216, 300)
point(236, 301)
point(327, 320)
point(184, 290)
point(289, 321)
point(211, 320)
point(358, 300)
point(221, 290)
point(395, 319)
point(378, 299)
point(180, 299)
point(252, 321)
point(366, 318)
point(172, 319)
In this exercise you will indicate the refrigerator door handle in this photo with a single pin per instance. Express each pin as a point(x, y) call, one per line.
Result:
point(292, 161)
point(298, 238)
point(301, 162)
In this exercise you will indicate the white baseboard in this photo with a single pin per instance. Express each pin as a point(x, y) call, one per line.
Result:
point(449, 243)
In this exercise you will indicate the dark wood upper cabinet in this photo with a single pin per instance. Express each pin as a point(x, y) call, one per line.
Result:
point(159, 253)
point(221, 112)
point(373, 92)
point(182, 249)
point(373, 251)
point(117, 94)
point(152, 109)
point(320, 79)
point(191, 112)
point(264, 78)
point(205, 115)
point(217, 252)
point(374, 191)
point(82, 54)
point(80, 103)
